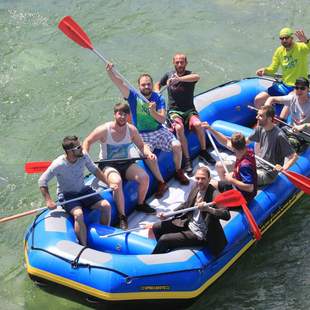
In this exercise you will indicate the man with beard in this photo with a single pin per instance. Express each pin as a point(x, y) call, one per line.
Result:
point(274, 146)
point(298, 104)
point(182, 112)
point(148, 118)
point(292, 58)
point(115, 139)
point(69, 172)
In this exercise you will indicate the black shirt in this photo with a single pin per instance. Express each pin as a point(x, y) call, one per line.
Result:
point(180, 94)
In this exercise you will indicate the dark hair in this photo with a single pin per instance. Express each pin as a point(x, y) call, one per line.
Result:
point(144, 75)
point(205, 170)
point(269, 110)
point(69, 142)
point(238, 141)
point(302, 82)
point(122, 107)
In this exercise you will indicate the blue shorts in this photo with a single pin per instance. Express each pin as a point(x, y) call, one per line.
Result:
point(279, 89)
point(84, 203)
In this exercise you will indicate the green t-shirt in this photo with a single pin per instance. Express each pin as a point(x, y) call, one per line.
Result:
point(293, 63)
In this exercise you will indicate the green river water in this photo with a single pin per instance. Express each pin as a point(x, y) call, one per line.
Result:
point(50, 88)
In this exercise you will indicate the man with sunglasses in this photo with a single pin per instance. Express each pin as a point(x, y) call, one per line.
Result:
point(298, 105)
point(148, 117)
point(292, 58)
point(116, 139)
point(69, 172)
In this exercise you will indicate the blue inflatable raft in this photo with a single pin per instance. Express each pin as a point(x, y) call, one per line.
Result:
point(121, 268)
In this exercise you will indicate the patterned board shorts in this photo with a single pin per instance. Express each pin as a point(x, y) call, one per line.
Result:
point(159, 139)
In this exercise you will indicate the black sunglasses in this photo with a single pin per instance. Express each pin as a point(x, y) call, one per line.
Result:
point(78, 147)
point(300, 87)
point(284, 38)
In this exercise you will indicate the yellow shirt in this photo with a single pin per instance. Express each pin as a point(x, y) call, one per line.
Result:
point(293, 63)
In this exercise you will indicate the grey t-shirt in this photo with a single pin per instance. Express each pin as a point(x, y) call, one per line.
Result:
point(274, 146)
point(300, 113)
point(70, 177)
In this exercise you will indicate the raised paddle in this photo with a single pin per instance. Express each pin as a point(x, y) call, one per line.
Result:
point(231, 198)
point(300, 181)
point(41, 166)
point(254, 227)
point(282, 122)
point(16, 216)
point(74, 31)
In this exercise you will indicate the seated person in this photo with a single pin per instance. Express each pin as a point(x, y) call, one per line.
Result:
point(69, 172)
point(148, 118)
point(292, 58)
point(274, 146)
point(298, 105)
point(200, 227)
point(115, 139)
point(182, 112)
point(244, 176)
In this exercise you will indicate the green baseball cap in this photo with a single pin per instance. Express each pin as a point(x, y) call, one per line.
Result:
point(286, 32)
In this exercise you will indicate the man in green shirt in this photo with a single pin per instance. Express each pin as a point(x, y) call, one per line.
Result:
point(292, 58)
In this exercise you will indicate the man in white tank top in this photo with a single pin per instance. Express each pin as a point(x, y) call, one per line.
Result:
point(115, 139)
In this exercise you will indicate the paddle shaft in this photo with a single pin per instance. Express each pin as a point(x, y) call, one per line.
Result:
point(122, 232)
point(106, 61)
point(16, 216)
point(172, 213)
point(218, 154)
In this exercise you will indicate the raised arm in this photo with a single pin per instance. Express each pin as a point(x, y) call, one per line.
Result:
point(124, 89)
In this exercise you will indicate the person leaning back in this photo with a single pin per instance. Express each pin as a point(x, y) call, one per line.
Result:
point(200, 227)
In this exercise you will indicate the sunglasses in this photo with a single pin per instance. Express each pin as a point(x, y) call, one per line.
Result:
point(78, 147)
point(300, 87)
point(284, 38)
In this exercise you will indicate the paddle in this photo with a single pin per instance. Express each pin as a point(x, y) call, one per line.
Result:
point(41, 166)
point(231, 198)
point(74, 31)
point(300, 181)
point(16, 216)
point(254, 227)
point(282, 122)
point(141, 227)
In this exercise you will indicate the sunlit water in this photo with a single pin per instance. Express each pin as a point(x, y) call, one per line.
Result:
point(50, 87)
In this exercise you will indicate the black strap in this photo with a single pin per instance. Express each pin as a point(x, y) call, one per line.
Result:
point(75, 262)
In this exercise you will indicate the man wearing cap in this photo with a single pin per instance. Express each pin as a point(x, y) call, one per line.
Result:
point(292, 58)
point(298, 104)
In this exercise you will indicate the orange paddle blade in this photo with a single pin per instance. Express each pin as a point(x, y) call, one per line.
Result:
point(73, 31)
point(253, 225)
point(36, 166)
point(300, 181)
